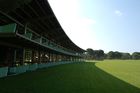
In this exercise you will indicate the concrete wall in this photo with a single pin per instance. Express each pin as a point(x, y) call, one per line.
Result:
point(3, 71)
point(29, 67)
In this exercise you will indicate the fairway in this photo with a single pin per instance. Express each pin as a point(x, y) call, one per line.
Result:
point(110, 76)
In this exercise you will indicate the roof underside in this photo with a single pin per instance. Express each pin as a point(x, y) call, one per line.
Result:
point(39, 16)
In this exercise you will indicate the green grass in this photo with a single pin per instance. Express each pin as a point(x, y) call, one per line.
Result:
point(90, 77)
point(126, 70)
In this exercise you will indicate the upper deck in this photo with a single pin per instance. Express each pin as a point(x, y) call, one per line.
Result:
point(38, 16)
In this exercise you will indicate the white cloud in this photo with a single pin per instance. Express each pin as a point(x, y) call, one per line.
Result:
point(118, 13)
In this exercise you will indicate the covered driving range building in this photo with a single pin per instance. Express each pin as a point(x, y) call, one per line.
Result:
point(31, 37)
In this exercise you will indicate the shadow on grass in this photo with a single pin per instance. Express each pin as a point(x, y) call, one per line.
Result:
point(69, 78)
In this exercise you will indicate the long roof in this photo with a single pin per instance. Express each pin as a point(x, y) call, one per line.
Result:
point(39, 16)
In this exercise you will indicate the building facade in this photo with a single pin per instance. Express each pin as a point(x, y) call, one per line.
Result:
point(31, 37)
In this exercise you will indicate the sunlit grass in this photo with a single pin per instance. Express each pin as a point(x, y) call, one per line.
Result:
point(126, 70)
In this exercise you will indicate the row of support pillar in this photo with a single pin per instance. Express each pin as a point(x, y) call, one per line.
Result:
point(19, 56)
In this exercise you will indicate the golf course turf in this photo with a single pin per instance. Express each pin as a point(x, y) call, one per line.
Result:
point(109, 76)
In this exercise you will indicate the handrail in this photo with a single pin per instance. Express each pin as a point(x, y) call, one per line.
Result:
point(30, 34)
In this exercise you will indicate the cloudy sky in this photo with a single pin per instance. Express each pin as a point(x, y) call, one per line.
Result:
point(100, 24)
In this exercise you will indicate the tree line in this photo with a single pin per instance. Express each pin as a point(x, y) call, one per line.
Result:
point(100, 55)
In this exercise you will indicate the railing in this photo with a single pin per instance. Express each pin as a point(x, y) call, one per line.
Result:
point(10, 28)
point(35, 37)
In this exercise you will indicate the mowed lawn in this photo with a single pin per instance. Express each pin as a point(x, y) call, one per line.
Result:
point(89, 77)
point(126, 70)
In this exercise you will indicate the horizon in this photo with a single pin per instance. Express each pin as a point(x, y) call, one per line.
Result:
point(98, 24)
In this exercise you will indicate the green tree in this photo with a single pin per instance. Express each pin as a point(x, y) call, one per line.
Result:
point(98, 54)
point(110, 55)
point(126, 56)
point(95, 54)
point(89, 53)
point(118, 55)
point(114, 55)
point(136, 55)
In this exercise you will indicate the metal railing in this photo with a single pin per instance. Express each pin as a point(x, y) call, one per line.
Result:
point(29, 34)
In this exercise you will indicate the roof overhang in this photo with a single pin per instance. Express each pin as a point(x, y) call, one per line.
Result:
point(38, 15)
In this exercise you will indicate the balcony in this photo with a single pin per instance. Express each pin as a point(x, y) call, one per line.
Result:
point(29, 35)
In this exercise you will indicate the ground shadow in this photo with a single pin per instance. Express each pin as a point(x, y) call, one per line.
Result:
point(69, 78)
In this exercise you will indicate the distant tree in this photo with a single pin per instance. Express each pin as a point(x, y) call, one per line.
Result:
point(105, 55)
point(98, 54)
point(94, 54)
point(121, 55)
point(89, 53)
point(114, 55)
point(126, 56)
point(118, 55)
point(110, 55)
point(136, 55)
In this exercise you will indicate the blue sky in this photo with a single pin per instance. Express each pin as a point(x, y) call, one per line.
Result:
point(100, 24)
